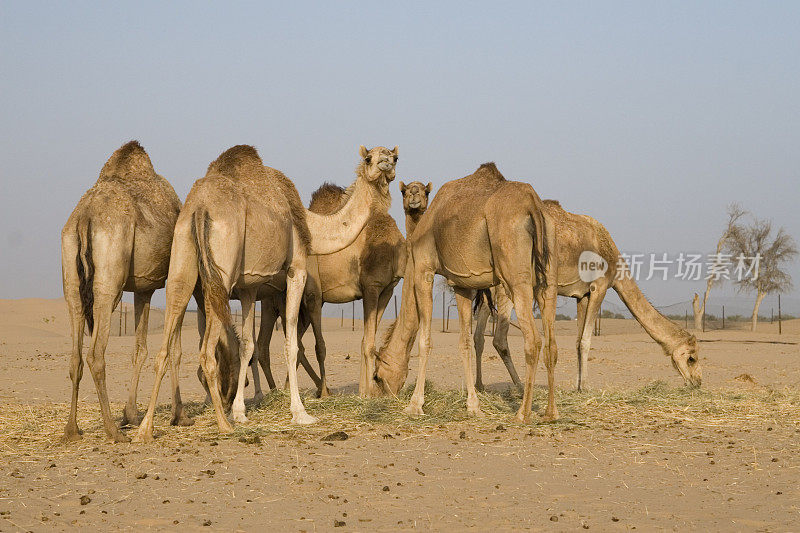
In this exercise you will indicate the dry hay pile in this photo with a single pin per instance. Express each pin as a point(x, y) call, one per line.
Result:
point(35, 429)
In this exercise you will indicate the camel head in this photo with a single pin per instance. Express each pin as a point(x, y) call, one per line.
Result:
point(378, 164)
point(391, 362)
point(389, 377)
point(415, 197)
point(686, 360)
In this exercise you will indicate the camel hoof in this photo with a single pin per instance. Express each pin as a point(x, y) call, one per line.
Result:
point(413, 409)
point(72, 435)
point(479, 386)
point(550, 417)
point(129, 420)
point(240, 418)
point(258, 398)
point(521, 418)
point(119, 437)
point(304, 419)
point(323, 393)
point(182, 420)
point(225, 428)
point(476, 412)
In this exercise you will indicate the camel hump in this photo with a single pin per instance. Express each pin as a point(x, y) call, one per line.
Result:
point(552, 203)
point(490, 170)
point(129, 161)
point(236, 161)
point(327, 199)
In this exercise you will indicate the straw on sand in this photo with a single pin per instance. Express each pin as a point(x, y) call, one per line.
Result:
point(35, 429)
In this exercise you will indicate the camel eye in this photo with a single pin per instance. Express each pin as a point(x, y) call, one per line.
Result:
point(692, 360)
point(368, 159)
point(396, 158)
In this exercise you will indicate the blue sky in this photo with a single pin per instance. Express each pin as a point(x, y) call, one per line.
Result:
point(649, 116)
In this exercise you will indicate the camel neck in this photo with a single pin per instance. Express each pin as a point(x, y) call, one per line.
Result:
point(660, 328)
point(331, 233)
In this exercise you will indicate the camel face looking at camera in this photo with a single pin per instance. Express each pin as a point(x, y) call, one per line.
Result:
point(415, 202)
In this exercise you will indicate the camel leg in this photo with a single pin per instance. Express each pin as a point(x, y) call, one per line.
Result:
point(592, 306)
point(301, 349)
point(248, 299)
point(546, 298)
point(522, 296)
point(303, 360)
point(370, 301)
point(77, 322)
point(295, 283)
point(478, 338)
point(315, 311)
point(208, 361)
point(268, 318)
point(500, 340)
point(464, 305)
point(141, 306)
point(423, 290)
point(583, 303)
point(258, 394)
point(179, 416)
point(383, 300)
point(104, 300)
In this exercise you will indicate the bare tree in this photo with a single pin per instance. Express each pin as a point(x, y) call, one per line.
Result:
point(735, 212)
point(773, 253)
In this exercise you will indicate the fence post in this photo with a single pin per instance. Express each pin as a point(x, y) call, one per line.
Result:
point(354, 315)
point(723, 317)
point(341, 325)
point(120, 319)
point(779, 315)
point(395, 306)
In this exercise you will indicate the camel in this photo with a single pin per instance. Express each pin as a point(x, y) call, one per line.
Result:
point(243, 225)
point(478, 231)
point(369, 269)
point(577, 234)
point(415, 203)
point(117, 239)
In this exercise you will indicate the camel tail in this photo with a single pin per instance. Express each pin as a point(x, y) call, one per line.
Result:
point(541, 251)
point(478, 301)
point(85, 266)
point(214, 292)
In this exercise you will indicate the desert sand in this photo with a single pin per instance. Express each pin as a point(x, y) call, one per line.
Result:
point(628, 454)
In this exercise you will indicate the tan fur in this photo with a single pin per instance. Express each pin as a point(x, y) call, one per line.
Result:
point(575, 234)
point(478, 231)
point(117, 239)
point(368, 269)
point(254, 233)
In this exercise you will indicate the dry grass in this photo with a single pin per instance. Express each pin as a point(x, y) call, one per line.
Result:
point(35, 429)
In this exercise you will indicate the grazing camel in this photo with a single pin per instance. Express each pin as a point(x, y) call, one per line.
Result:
point(117, 239)
point(243, 225)
point(369, 269)
point(575, 235)
point(478, 231)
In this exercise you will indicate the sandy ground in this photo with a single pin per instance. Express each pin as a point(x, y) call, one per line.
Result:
point(648, 473)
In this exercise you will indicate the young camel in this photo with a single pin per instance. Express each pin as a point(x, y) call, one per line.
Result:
point(242, 226)
point(369, 268)
point(577, 234)
point(479, 231)
point(117, 239)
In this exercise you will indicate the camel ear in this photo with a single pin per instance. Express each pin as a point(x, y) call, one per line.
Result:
point(362, 151)
point(428, 187)
point(402, 188)
point(395, 151)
